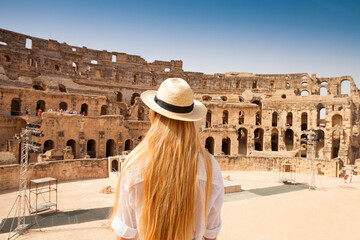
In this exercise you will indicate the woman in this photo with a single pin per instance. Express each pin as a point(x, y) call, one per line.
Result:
point(169, 181)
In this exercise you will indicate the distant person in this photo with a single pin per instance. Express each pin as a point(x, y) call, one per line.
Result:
point(39, 112)
point(170, 187)
point(350, 176)
point(345, 177)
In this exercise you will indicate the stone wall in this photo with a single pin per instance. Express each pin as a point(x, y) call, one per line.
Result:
point(61, 170)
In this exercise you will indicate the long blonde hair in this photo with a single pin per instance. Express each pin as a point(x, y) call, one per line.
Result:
point(170, 153)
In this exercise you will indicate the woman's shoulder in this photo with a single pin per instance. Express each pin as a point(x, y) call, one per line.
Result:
point(132, 173)
point(217, 177)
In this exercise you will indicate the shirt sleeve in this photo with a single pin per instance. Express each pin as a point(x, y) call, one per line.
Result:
point(214, 216)
point(124, 222)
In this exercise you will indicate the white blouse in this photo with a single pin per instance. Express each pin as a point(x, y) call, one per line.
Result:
point(131, 195)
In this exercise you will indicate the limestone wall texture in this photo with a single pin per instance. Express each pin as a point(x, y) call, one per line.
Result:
point(89, 101)
point(61, 170)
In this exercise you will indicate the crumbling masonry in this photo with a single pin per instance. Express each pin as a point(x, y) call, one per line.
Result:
point(90, 107)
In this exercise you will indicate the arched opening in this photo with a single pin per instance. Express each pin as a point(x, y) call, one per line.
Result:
point(48, 144)
point(289, 139)
point(71, 143)
point(258, 118)
point(289, 119)
point(323, 91)
point(15, 107)
point(257, 102)
point(303, 145)
point(242, 139)
point(337, 120)
point(91, 148)
point(128, 145)
point(84, 109)
point(241, 99)
point(274, 140)
point(40, 105)
point(225, 117)
point(141, 113)
point(241, 117)
point(208, 119)
point(57, 68)
point(224, 98)
point(345, 88)
point(226, 146)
point(110, 148)
point(209, 144)
point(274, 119)
point(304, 93)
point(335, 144)
point(6, 58)
point(321, 114)
point(119, 97)
point(63, 106)
point(304, 121)
point(62, 88)
point(133, 97)
point(206, 98)
point(114, 165)
point(39, 87)
point(104, 110)
point(136, 78)
point(259, 139)
point(320, 144)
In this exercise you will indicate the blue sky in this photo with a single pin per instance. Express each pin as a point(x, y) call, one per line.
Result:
point(259, 36)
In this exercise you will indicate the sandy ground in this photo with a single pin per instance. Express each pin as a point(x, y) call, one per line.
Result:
point(330, 212)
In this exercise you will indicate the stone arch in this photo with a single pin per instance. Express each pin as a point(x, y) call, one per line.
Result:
point(133, 97)
point(110, 148)
point(119, 97)
point(208, 119)
point(241, 117)
point(63, 106)
point(337, 120)
point(226, 146)
point(242, 141)
point(335, 146)
point(274, 119)
point(320, 143)
point(323, 91)
point(321, 115)
point(48, 145)
point(114, 165)
point(289, 139)
point(141, 113)
point(289, 119)
point(206, 98)
point(303, 145)
point(40, 87)
point(257, 101)
point(274, 140)
point(40, 105)
point(84, 109)
point(259, 139)
point(104, 110)
point(71, 143)
point(15, 107)
point(304, 121)
point(304, 93)
point(209, 144)
point(225, 117)
point(62, 88)
point(129, 145)
point(91, 148)
point(345, 87)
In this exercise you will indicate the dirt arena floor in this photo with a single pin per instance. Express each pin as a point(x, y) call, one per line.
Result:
point(330, 212)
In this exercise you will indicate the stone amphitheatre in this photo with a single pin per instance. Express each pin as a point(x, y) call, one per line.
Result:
point(87, 104)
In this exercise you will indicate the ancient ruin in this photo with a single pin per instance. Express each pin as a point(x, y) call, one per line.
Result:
point(87, 103)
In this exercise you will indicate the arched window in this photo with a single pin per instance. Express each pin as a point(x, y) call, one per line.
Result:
point(119, 97)
point(40, 105)
point(84, 109)
point(303, 145)
point(320, 144)
point(40, 87)
point(128, 145)
point(346, 87)
point(48, 145)
point(304, 93)
point(71, 143)
point(208, 119)
point(304, 121)
point(104, 110)
point(258, 139)
point(91, 148)
point(226, 146)
point(15, 107)
point(335, 144)
point(110, 148)
point(289, 139)
point(241, 117)
point(209, 145)
point(114, 165)
point(225, 117)
point(289, 119)
point(274, 119)
point(133, 97)
point(62, 88)
point(206, 98)
point(323, 91)
point(258, 118)
point(63, 106)
point(242, 141)
point(321, 115)
point(274, 140)
point(337, 120)
point(141, 113)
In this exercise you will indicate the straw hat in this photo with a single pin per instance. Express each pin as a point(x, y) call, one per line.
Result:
point(174, 99)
